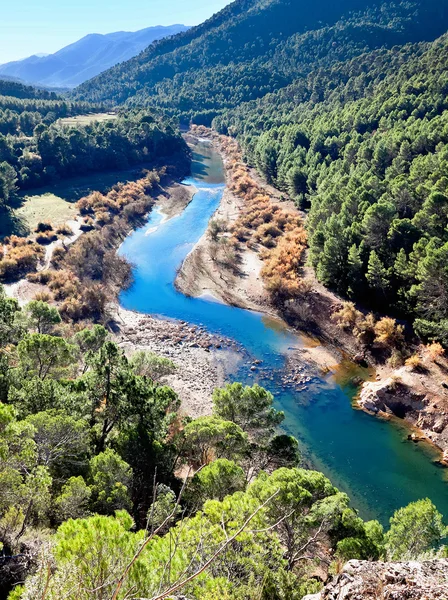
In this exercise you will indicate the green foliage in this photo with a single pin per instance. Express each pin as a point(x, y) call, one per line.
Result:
point(249, 407)
point(215, 481)
point(73, 501)
point(414, 530)
point(42, 317)
point(207, 438)
point(43, 355)
point(148, 364)
point(111, 477)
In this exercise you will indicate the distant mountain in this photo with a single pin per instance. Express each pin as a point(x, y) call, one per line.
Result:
point(86, 58)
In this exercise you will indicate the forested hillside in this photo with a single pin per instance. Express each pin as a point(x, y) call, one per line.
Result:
point(36, 147)
point(343, 106)
point(252, 48)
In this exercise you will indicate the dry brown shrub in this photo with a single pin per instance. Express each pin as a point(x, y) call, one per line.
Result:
point(64, 230)
point(414, 362)
point(46, 238)
point(435, 351)
point(388, 333)
point(348, 316)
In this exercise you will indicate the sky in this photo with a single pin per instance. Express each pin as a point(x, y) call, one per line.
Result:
point(33, 26)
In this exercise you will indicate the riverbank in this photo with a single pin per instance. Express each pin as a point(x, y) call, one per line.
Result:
point(326, 343)
point(202, 360)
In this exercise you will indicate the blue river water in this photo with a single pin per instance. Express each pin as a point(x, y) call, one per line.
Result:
point(370, 459)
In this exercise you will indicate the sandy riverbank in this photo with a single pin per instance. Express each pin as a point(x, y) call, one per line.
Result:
point(201, 275)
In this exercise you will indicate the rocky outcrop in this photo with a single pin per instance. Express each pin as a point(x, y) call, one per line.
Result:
point(364, 580)
point(416, 397)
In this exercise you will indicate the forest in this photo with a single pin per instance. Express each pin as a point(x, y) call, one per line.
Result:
point(93, 444)
point(36, 148)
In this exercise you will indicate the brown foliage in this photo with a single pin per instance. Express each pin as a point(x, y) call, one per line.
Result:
point(19, 257)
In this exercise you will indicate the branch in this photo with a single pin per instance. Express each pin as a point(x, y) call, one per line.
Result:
point(223, 546)
point(148, 539)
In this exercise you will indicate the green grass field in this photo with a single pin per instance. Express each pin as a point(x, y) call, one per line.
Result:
point(56, 203)
point(87, 119)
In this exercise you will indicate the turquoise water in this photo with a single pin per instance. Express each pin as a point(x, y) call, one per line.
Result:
point(370, 459)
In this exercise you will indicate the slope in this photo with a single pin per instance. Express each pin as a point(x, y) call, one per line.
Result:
point(85, 58)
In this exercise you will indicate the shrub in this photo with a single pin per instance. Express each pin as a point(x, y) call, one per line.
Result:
point(396, 359)
point(388, 333)
point(348, 316)
point(47, 237)
point(414, 362)
point(435, 351)
point(64, 230)
point(43, 226)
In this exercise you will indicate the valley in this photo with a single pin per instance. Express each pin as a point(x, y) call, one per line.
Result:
point(224, 308)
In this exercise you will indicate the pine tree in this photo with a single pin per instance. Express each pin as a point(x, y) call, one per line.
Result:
point(377, 274)
point(355, 267)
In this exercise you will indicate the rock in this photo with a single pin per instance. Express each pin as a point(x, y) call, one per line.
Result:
point(412, 580)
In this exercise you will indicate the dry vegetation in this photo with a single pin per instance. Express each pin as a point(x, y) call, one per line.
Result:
point(18, 256)
point(85, 276)
point(276, 232)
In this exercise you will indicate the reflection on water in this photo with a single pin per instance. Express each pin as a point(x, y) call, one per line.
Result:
point(368, 458)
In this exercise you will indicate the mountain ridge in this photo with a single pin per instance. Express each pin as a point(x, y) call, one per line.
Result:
point(85, 58)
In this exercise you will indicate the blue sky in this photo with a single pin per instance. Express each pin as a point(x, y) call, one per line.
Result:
point(32, 26)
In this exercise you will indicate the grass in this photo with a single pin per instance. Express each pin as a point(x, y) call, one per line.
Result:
point(45, 207)
point(87, 119)
point(55, 202)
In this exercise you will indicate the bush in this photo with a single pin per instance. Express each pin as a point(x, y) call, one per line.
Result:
point(46, 237)
point(435, 351)
point(348, 316)
point(414, 362)
point(43, 226)
point(388, 333)
point(64, 230)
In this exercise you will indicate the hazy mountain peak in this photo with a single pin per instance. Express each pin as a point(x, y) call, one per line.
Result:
point(87, 57)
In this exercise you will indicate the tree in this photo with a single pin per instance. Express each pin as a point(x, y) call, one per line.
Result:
point(61, 440)
point(413, 530)
point(8, 180)
point(377, 275)
point(110, 478)
point(148, 364)
point(220, 478)
point(432, 290)
point(44, 355)
point(355, 270)
point(164, 505)
point(305, 508)
point(249, 407)
point(91, 339)
point(41, 316)
point(73, 501)
point(207, 438)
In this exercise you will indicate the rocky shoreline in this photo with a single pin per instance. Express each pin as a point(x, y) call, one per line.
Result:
point(202, 360)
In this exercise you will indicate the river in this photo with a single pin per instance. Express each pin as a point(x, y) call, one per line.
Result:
point(369, 459)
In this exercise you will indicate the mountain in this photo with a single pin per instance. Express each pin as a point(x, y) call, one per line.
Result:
point(85, 58)
point(343, 105)
point(253, 47)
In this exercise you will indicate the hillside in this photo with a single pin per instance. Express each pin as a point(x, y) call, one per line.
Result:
point(253, 47)
point(85, 58)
